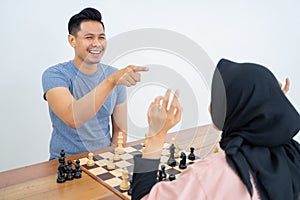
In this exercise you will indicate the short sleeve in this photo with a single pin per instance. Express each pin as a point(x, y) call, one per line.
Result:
point(52, 78)
point(122, 94)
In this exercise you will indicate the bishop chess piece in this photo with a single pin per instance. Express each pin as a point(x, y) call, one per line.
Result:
point(124, 186)
point(192, 155)
point(91, 161)
point(77, 171)
point(182, 164)
point(171, 161)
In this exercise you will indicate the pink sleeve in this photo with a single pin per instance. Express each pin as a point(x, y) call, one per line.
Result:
point(187, 185)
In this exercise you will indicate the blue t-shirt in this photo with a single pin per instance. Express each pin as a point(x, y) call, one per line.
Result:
point(95, 133)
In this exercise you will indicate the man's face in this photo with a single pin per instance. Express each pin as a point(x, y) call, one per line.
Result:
point(89, 43)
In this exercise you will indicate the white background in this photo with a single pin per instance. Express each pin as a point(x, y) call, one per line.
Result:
point(33, 36)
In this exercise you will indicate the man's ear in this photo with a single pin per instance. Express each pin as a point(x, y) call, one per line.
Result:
point(72, 40)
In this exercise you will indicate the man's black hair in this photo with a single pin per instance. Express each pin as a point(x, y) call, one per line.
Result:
point(87, 14)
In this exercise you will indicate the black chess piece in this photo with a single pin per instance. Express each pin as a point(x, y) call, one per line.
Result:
point(62, 163)
point(61, 172)
point(182, 164)
point(172, 177)
point(69, 175)
point(129, 192)
point(160, 178)
point(171, 161)
point(62, 153)
point(192, 155)
point(77, 172)
point(163, 172)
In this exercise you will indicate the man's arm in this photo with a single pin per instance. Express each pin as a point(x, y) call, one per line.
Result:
point(76, 112)
point(119, 123)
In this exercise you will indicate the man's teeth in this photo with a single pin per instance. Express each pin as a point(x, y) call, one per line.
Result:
point(95, 51)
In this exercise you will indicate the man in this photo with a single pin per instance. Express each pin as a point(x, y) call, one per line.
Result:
point(84, 94)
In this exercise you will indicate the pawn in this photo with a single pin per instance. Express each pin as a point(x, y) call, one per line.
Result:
point(69, 171)
point(124, 186)
point(111, 165)
point(77, 173)
point(116, 155)
point(192, 155)
point(163, 172)
point(172, 177)
point(91, 161)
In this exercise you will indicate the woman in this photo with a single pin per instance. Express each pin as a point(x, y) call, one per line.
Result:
point(260, 160)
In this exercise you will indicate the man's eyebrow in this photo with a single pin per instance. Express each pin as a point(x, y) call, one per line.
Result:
point(91, 34)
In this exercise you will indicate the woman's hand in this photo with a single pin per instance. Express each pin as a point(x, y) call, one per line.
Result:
point(162, 116)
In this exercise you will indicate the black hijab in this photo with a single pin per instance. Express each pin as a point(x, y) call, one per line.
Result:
point(258, 124)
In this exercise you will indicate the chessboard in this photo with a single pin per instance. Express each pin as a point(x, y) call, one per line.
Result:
point(113, 178)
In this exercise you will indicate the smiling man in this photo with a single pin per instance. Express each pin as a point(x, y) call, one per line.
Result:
point(83, 94)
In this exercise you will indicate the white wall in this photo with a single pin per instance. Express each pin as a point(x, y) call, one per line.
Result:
point(33, 36)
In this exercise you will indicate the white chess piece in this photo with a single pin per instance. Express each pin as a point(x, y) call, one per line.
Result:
point(120, 143)
point(111, 165)
point(116, 155)
point(125, 184)
point(91, 161)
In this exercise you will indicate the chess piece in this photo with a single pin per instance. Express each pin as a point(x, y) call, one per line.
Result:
point(69, 171)
point(182, 164)
point(120, 143)
point(172, 177)
point(160, 178)
point(129, 192)
point(163, 172)
point(62, 164)
point(61, 171)
point(176, 154)
point(116, 155)
point(62, 153)
point(192, 155)
point(124, 186)
point(171, 161)
point(110, 164)
point(91, 161)
point(77, 172)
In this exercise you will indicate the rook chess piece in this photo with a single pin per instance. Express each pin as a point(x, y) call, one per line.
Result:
point(91, 161)
point(124, 186)
point(172, 162)
point(182, 164)
point(192, 155)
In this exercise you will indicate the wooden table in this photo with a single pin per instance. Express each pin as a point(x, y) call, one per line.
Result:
point(39, 181)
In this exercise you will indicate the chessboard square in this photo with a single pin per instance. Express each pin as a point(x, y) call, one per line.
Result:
point(98, 171)
point(165, 152)
point(83, 161)
point(172, 171)
point(107, 155)
point(122, 164)
point(102, 162)
point(113, 182)
point(106, 176)
point(129, 149)
point(164, 159)
point(138, 146)
point(126, 156)
point(117, 172)
point(98, 157)
point(90, 167)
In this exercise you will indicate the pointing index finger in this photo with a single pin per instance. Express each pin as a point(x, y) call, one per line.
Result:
point(140, 69)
